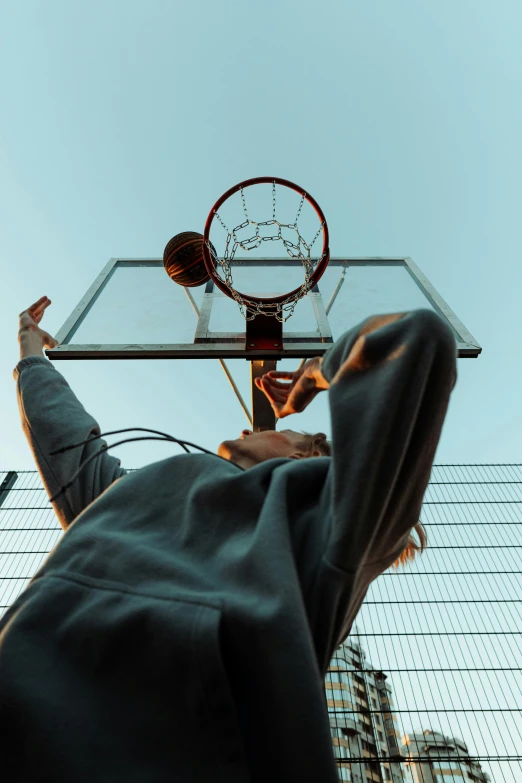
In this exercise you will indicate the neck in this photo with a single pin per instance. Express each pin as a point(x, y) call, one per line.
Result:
point(243, 461)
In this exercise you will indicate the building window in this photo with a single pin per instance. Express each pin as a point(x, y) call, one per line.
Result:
point(450, 777)
point(446, 766)
point(339, 695)
point(342, 751)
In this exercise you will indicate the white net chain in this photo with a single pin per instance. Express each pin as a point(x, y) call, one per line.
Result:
point(299, 249)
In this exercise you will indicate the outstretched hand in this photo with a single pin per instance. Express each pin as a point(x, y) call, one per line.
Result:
point(28, 328)
point(299, 391)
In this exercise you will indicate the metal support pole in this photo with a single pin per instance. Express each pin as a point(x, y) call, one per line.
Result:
point(192, 302)
point(262, 414)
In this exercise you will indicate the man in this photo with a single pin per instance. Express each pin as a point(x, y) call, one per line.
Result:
point(183, 626)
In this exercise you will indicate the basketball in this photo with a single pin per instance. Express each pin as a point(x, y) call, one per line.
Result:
point(183, 259)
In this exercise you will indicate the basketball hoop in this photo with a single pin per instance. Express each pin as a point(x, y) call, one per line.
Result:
point(220, 267)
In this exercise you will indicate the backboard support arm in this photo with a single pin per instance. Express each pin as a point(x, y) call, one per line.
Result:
point(224, 366)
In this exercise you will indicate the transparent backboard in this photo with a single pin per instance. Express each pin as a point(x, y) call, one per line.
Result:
point(133, 310)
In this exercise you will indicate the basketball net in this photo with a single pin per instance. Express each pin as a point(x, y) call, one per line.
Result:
point(297, 249)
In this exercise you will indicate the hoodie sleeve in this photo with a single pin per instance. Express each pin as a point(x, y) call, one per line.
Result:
point(390, 382)
point(52, 418)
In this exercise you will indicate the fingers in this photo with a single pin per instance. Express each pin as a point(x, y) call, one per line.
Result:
point(37, 309)
point(41, 304)
point(40, 309)
point(277, 384)
point(277, 393)
point(271, 378)
point(273, 394)
point(274, 387)
point(279, 374)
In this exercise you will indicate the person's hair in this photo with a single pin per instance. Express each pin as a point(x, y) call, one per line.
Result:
point(319, 442)
point(409, 553)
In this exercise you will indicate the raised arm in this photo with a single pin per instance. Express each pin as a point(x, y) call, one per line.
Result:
point(52, 418)
point(390, 382)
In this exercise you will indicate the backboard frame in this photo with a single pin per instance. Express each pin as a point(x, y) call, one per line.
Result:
point(208, 345)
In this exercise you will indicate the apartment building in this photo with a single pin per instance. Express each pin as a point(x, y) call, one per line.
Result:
point(364, 733)
point(365, 737)
point(432, 757)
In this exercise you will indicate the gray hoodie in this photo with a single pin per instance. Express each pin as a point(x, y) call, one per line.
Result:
point(182, 628)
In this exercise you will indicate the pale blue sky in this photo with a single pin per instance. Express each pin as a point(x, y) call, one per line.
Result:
point(123, 122)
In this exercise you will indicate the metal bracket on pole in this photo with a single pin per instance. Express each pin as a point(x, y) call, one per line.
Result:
point(265, 332)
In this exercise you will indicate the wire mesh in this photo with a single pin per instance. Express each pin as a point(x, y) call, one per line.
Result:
point(428, 686)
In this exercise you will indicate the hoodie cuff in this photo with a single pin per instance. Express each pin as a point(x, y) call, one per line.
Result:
point(23, 363)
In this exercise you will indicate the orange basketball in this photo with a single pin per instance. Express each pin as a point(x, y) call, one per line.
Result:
point(183, 259)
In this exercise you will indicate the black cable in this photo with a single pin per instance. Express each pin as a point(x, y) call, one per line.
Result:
point(106, 447)
point(114, 432)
